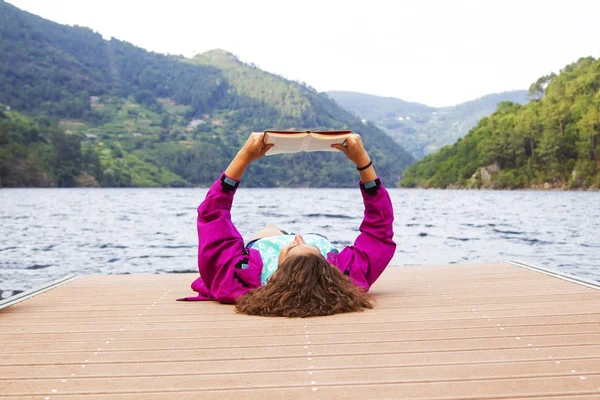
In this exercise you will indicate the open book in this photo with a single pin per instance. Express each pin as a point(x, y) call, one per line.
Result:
point(294, 142)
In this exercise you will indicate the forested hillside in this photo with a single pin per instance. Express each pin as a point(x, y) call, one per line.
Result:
point(552, 142)
point(136, 118)
point(421, 129)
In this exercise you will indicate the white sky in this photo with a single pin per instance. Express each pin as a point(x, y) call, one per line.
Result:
point(434, 52)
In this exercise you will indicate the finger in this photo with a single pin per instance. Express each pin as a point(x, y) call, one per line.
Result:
point(258, 140)
point(256, 137)
point(266, 148)
point(339, 147)
point(263, 138)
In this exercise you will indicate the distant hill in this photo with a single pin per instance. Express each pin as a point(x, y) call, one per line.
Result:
point(552, 142)
point(419, 128)
point(118, 115)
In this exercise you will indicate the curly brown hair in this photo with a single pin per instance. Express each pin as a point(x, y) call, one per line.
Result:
point(304, 286)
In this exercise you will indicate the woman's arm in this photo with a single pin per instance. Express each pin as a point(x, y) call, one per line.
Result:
point(253, 149)
point(374, 247)
point(226, 269)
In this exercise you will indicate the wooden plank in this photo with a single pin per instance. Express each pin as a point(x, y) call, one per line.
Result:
point(408, 385)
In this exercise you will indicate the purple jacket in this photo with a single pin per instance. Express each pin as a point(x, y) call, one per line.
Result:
point(228, 270)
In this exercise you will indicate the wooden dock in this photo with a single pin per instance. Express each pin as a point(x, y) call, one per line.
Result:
point(476, 331)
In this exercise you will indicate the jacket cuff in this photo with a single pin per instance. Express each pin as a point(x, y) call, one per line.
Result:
point(371, 188)
point(227, 184)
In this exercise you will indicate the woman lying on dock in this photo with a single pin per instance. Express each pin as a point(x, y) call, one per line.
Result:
point(278, 274)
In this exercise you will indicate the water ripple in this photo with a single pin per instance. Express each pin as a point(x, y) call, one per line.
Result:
point(332, 216)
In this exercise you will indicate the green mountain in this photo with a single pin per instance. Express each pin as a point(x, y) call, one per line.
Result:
point(552, 142)
point(419, 128)
point(136, 118)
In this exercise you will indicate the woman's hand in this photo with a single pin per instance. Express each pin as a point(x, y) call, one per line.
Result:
point(354, 150)
point(254, 148)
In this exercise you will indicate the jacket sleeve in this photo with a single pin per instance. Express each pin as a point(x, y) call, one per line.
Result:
point(374, 247)
point(227, 269)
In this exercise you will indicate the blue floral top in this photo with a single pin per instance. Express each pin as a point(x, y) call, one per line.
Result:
point(270, 247)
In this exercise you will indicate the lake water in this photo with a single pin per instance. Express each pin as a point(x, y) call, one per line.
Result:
point(49, 233)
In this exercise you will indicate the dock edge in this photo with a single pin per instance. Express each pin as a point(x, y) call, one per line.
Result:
point(557, 274)
point(34, 292)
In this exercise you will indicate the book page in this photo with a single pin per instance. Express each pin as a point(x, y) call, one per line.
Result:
point(285, 143)
point(324, 142)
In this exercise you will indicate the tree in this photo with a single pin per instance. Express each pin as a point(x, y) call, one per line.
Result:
point(589, 132)
point(538, 88)
point(66, 158)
